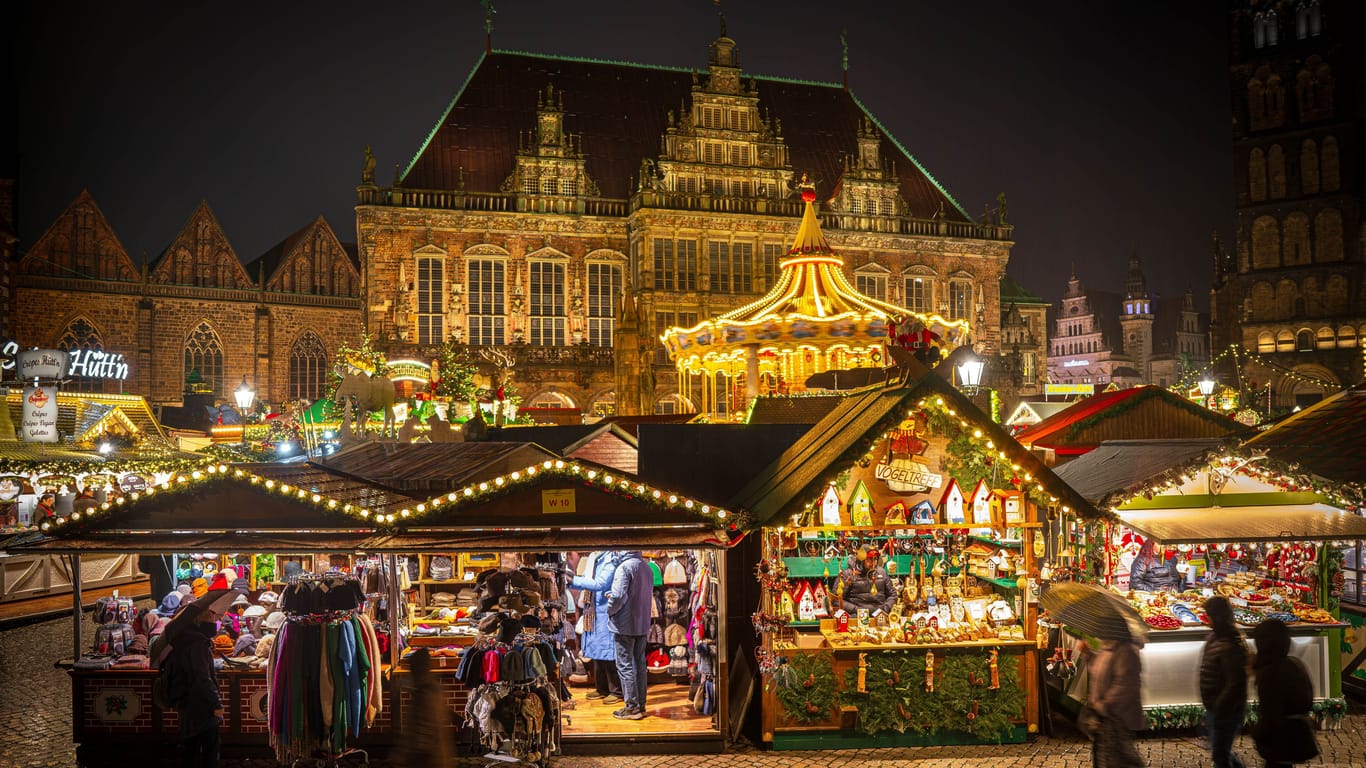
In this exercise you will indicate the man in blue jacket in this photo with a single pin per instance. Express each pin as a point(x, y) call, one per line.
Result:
point(628, 613)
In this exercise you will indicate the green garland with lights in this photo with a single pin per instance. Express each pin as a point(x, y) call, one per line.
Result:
point(116, 466)
point(962, 699)
point(1325, 712)
point(807, 688)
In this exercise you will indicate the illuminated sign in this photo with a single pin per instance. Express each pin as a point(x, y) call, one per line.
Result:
point(1069, 389)
point(97, 364)
point(1075, 363)
point(39, 415)
point(41, 364)
point(49, 363)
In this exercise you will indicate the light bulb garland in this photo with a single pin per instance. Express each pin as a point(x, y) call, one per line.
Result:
point(1287, 477)
point(1239, 355)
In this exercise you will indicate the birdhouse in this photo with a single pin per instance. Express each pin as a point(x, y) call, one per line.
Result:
point(1012, 506)
point(830, 507)
point(923, 513)
point(993, 567)
point(895, 514)
point(981, 504)
point(952, 503)
point(860, 505)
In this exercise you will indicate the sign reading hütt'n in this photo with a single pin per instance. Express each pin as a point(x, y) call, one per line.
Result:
point(39, 423)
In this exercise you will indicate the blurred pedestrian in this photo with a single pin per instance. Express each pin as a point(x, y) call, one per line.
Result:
point(1115, 694)
point(1284, 733)
point(598, 645)
point(193, 683)
point(425, 742)
point(1223, 682)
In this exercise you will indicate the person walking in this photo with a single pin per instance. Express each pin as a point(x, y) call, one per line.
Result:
point(1284, 733)
point(1116, 697)
point(1223, 682)
point(628, 615)
point(193, 683)
point(598, 645)
point(427, 744)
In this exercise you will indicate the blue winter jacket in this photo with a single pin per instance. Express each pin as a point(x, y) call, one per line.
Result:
point(632, 593)
point(597, 644)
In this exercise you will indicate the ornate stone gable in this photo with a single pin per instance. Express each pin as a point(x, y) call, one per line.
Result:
point(201, 256)
point(80, 244)
point(313, 261)
point(550, 161)
point(868, 184)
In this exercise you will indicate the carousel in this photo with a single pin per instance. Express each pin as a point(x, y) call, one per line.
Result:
point(812, 322)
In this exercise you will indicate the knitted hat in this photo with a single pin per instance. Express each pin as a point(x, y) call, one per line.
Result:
point(223, 645)
point(220, 582)
point(657, 661)
point(170, 604)
point(675, 574)
point(658, 574)
point(200, 587)
point(676, 634)
point(185, 589)
point(253, 611)
point(229, 573)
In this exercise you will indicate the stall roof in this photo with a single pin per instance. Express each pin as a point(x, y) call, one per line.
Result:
point(712, 461)
point(1147, 412)
point(794, 477)
point(427, 468)
point(1293, 522)
point(1327, 439)
point(1120, 465)
point(79, 412)
point(601, 443)
point(793, 409)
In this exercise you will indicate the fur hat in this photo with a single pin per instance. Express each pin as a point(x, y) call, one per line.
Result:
point(489, 624)
point(676, 634)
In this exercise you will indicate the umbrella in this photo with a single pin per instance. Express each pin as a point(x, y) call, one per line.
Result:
point(1097, 612)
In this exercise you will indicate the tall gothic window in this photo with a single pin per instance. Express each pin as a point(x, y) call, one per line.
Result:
point(604, 286)
point(307, 367)
point(431, 294)
point(81, 334)
point(731, 267)
point(547, 303)
point(872, 284)
point(204, 360)
point(960, 300)
point(773, 253)
point(487, 302)
point(919, 295)
point(676, 264)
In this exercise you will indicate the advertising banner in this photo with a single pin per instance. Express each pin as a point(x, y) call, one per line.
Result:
point(47, 364)
point(39, 423)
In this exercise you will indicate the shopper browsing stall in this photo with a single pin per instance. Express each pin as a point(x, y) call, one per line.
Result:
point(628, 609)
point(598, 645)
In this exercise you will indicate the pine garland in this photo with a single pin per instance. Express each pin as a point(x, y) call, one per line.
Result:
point(807, 688)
point(961, 701)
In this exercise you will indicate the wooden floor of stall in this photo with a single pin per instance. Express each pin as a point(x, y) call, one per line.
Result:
point(667, 707)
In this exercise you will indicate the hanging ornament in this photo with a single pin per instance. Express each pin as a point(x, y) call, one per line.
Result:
point(863, 673)
point(972, 713)
point(992, 662)
point(929, 671)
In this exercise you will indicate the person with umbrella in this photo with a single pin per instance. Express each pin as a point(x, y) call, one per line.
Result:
point(1114, 692)
point(184, 653)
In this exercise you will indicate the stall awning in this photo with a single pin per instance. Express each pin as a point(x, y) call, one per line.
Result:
point(1299, 522)
point(199, 541)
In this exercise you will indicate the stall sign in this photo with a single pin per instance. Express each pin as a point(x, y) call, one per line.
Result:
point(905, 475)
point(39, 423)
point(97, 364)
point(131, 483)
point(41, 364)
point(557, 501)
point(1069, 389)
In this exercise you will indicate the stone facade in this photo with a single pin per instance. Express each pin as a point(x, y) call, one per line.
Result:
point(1293, 288)
point(195, 307)
point(532, 250)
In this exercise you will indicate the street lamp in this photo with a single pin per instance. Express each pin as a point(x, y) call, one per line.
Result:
point(970, 373)
point(244, 395)
point(1207, 386)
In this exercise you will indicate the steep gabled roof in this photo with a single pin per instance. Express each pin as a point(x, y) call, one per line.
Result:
point(166, 266)
point(282, 254)
point(1140, 413)
point(1012, 292)
point(53, 251)
point(621, 111)
point(1327, 439)
point(1120, 465)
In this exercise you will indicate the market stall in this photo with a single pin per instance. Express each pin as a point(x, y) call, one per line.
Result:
point(899, 575)
point(1194, 521)
point(330, 524)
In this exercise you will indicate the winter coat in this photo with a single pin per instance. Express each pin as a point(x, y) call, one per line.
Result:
point(1284, 690)
point(632, 594)
point(858, 589)
point(1223, 676)
point(597, 642)
point(1153, 575)
point(1115, 689)
point(193, 679)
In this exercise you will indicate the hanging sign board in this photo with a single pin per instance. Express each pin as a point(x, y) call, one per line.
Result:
point(1069, 389)
point(39, 423)
point(557, 501)
point(41, 364)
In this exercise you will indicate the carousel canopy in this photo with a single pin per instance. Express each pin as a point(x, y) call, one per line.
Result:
point(811, 307)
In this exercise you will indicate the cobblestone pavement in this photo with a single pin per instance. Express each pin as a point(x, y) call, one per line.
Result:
point(35, 731)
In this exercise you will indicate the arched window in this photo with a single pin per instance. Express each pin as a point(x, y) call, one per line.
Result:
point(1325, 338)
point(1275, 165)
point(1328, 164)
point(1296, 240)
point(307, 367)
point(1285, 341)
point(203, 371)
point(1315, 19)
point(1266, 342)
point(1272, 33)
point(1304, 340)
point(1256, 174)
point(81, 337)
point(1259, 31)
point(1309, 167)
point(1266, 243)
point(1347, 337)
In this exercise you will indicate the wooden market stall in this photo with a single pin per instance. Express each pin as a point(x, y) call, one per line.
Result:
point(1226, 521)
point(916, 473)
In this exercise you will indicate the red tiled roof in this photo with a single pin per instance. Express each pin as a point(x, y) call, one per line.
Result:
point(621, 111)
point(1128, 414)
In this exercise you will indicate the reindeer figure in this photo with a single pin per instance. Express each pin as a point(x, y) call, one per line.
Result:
point(503, 363)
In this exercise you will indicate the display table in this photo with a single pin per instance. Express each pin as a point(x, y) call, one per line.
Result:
point(1171, 665)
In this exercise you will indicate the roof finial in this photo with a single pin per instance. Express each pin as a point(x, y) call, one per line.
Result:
point(844, 55)
point(488, 24)
point(720, 14)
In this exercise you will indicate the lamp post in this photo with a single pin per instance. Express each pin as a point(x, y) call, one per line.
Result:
point(244, 395)
point(1206, 389)
point(970, 374)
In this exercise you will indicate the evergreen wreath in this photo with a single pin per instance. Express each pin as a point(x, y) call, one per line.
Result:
point(806, 689)
point(961, 700)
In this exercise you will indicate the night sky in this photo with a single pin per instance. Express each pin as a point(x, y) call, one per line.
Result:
point(1107, 125)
